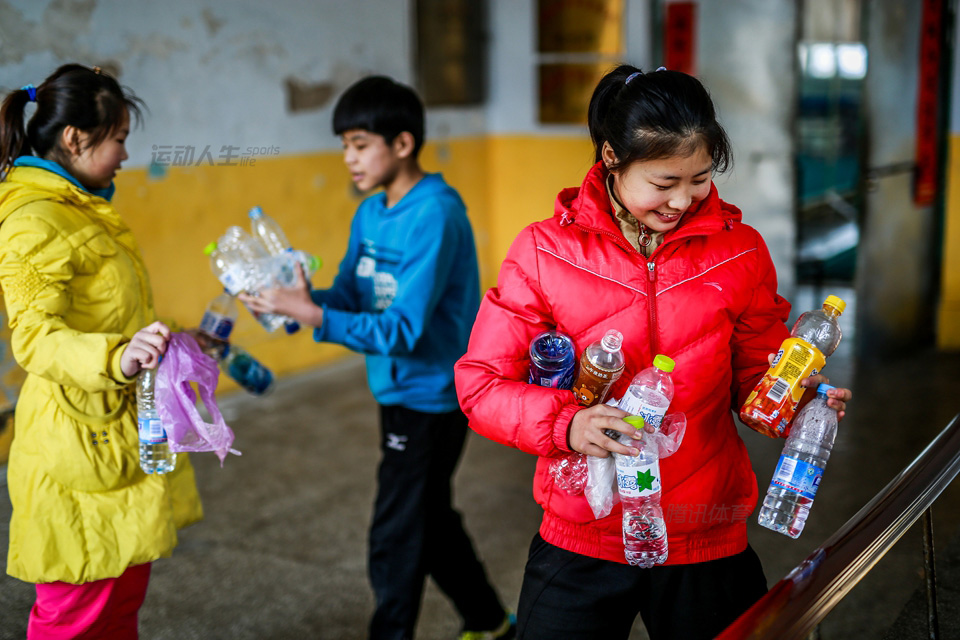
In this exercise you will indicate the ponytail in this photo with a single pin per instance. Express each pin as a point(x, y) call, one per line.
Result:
point(73, 95)
point(13, 137)
point(601, 105)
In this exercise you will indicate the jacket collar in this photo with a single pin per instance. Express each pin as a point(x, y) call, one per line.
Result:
point(589, 207)
point(49, 165)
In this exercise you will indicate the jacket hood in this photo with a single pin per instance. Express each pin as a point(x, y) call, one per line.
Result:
point(431, 185)
point(589, 206)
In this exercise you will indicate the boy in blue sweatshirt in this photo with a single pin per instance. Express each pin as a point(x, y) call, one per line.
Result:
point(406, 296)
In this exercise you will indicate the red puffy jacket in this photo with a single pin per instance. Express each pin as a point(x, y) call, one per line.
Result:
point(706, 297)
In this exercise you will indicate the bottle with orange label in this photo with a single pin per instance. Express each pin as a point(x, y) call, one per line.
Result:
point(815, 335)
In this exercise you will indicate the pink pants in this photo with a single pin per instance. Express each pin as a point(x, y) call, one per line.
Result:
point(103, 609)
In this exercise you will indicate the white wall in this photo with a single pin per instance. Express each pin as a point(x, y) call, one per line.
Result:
point(213, 72)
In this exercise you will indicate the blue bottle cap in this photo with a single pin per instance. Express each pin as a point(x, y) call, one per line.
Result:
point(255, 213)
point(823, 388)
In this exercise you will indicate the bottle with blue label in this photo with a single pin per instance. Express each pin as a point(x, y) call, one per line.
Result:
point(155, 454)
point(797, 477)
point(219, 317)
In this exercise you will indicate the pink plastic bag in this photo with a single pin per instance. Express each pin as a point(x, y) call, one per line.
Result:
point(182, 364)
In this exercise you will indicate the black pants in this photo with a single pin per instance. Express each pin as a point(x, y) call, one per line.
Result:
point(416, 532)
point(568, 595)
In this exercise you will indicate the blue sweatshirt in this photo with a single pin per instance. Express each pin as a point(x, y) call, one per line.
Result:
point(406, 295)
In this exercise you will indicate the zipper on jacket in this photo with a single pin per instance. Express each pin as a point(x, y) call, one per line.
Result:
point(652, 306)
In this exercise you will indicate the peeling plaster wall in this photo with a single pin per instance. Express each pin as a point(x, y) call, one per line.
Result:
point(216, 73)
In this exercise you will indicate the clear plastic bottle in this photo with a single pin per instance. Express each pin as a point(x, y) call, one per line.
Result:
point(638, 482)
point(241, 263)
point(800, 468)
point(246, 370)
point(601, 364)
point(219, 317)
point(815, 335)
point(268, 232)
point(155, 454)
point(230, 271)
point(650, 392)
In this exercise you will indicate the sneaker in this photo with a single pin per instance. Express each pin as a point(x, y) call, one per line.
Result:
point(506, 631)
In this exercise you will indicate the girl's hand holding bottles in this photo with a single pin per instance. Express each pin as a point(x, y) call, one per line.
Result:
point(145, 349)
point(838, 397)
point(587, 432)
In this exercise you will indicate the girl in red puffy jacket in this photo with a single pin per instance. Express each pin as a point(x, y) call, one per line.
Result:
point(644, 246)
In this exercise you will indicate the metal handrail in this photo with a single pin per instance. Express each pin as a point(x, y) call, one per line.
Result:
point(794, 606)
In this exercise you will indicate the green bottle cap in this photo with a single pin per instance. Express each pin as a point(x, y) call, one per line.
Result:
point(636, 421)
point(315, 263)
point(210, 248)
point(664, 363)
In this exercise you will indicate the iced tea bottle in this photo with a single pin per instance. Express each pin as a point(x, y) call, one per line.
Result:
point(815, 335)
point(600, 366)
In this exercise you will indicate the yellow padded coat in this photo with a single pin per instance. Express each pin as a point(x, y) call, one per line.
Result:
point(76, 290)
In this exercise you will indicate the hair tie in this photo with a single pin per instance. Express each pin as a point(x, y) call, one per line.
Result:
point(632, 76)
point(31, 92)
point(661, 68)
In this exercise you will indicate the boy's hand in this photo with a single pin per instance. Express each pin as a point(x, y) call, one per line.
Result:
point(586, 433)
point(294, 302)
point(145, 349)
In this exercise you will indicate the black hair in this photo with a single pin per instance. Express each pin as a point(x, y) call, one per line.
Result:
point(649, 116)
point(74, 95)
point(380, 105)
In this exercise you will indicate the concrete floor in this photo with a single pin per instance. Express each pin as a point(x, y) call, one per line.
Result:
point(281, 553)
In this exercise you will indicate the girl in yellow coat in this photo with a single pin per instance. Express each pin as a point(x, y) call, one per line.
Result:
point(87, 522)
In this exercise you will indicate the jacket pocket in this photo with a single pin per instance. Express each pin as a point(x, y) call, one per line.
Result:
point(88, 451)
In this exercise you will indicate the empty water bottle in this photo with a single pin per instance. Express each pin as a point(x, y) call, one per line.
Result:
point(797, 477)
point(219, 317)
point(155, 454)
point(638, 481)
point(246, 370)
point(284, 257)
point(650, 392)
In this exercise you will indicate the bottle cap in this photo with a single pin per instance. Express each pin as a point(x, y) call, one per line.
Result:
point(636, 421)
point(664, 363)
point(836, 303)
point(315, 263)
point(255, 212)
point(210, 248)
point(823, 388)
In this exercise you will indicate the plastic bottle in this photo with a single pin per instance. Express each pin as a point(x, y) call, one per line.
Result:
point(246, 370)
point(228, 268)
point(285, 258)
point(242, 264)
point(268, 232)
point(650, 392)
point(219, 317)
point(552, 360)
point(771, 405)
point(638, 482)
point(797, 477)
point(601, 364)
point(155, 454)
